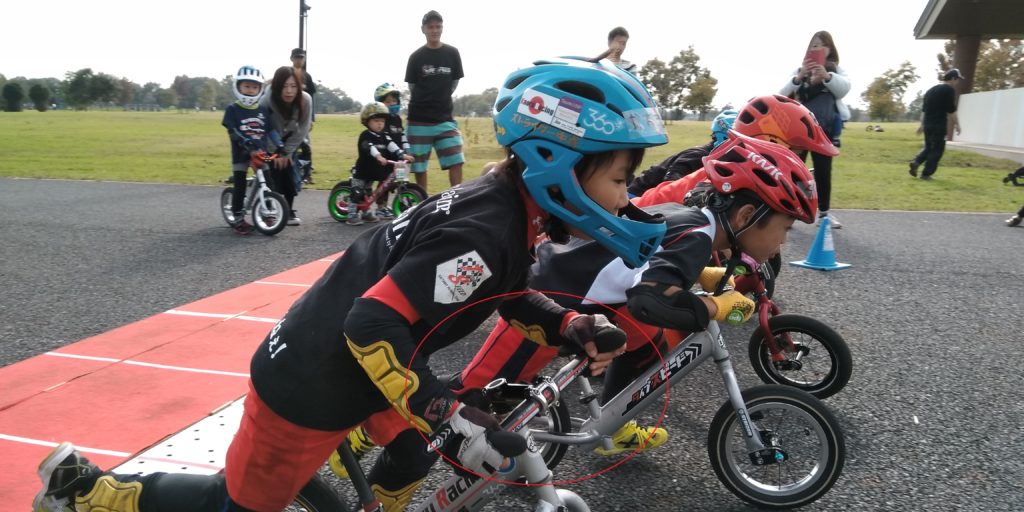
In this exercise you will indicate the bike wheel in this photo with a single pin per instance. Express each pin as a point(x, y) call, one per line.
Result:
point(819, 361)
point(406, 196)
point(556, 420)
point(270, 215)
point(337, 201)
point(809, 449)
point(317, 496)
point(225, 205)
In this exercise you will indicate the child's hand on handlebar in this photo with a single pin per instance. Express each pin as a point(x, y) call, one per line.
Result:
point(711, 276)
point(382, 160)
point(732, 307)
point(600, 339)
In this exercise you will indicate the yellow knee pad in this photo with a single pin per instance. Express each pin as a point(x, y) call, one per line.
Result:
point(395, 501)
point(109, 495)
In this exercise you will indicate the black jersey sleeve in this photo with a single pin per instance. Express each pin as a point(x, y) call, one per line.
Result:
point(685, 249)
point(536, 316)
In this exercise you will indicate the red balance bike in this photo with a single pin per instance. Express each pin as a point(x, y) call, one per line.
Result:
point(401, 194)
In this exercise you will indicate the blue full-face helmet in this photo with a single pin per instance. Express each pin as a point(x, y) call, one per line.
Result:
point(553, 113)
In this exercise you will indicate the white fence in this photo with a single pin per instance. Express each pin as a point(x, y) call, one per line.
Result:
point(994, 118)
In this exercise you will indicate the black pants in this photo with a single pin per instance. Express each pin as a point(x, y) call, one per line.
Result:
point(238, 195)
point(822, 178)
point(282, 181)
point(934, 146)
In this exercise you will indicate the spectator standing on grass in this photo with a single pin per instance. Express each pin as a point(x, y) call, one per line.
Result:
point(938, 109)
point(820, 85)
point(433, 73)
point(305, 151)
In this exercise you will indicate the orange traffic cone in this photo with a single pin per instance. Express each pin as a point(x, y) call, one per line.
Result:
point(822, 255)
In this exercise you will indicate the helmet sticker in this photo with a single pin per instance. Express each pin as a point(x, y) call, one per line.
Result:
point(537, 105)
point(645, 121)
point(456, 279)
point(567, 114)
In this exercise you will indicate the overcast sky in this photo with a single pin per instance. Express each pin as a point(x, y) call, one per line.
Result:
point(750, 46)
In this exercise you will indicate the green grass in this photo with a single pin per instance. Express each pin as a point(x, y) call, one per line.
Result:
point(192, 148)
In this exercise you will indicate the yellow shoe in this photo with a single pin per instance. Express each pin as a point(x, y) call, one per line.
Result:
point(361, 445)
point(630, 436)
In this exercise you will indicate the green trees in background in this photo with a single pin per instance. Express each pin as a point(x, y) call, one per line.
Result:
point(884, 95)
point(14, 96)
point(680, 84)
point(1000, 64)
point(40, 96)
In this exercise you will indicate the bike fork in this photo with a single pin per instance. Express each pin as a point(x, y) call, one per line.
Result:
point(732, 387)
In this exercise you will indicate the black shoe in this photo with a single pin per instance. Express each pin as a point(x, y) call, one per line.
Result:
point(913, 168)
point(926, 177)
point(65, 474)
point(230, 179)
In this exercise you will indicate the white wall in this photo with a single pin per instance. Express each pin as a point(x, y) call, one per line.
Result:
point(992, 117)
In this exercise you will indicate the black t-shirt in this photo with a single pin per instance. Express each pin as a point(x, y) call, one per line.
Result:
point(452, 250)
point(671, 169)
point(395, 129)
point(587, 269)
point(248, 128)
point(432, 71)
point(938, 102)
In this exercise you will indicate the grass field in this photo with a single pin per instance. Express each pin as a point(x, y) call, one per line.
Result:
point(192, 148)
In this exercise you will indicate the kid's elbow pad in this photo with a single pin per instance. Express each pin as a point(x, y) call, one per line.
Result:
point(682, 311)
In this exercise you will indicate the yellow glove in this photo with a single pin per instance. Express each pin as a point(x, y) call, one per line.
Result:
point(710, 276)
point(734, 308)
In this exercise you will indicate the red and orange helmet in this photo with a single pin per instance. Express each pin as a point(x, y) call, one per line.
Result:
point(785, 121)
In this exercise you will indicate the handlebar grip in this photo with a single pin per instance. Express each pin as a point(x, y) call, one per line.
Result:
point(508, 444)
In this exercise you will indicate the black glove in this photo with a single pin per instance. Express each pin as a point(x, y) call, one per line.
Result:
point(605, 335)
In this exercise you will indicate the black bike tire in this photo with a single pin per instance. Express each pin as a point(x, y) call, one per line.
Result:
point(342, 187)
point(225, 205)
point(725, 420)
point(409, 191)
point(318, 496)
point(282, 222)
point(838, 352)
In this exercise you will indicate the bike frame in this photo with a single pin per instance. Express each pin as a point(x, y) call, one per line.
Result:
point(472, 493)
point(256, 188)
point(385, 187)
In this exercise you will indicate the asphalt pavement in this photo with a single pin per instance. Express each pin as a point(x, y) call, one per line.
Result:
point(931, 308)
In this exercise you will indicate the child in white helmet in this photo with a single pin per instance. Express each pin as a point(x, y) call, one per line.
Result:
point(249, 127)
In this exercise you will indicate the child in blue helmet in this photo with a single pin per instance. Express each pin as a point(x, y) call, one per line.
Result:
point(249, 127)
point(340, 357)
point(686, 161)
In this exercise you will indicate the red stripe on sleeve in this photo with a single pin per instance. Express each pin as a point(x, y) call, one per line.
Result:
point(387, 292)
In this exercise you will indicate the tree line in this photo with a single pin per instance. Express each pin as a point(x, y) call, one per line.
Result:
point(85, 89)
point(680, 86)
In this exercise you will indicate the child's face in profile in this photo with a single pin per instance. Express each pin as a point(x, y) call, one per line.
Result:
point(249, 88)
point(389, 100)
point(375, 124)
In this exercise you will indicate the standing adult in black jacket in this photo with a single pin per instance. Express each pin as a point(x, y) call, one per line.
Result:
point(939, 106)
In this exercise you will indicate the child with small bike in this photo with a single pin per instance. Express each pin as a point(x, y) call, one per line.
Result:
point(377, 152)
point(342, 355)
point(250, 127)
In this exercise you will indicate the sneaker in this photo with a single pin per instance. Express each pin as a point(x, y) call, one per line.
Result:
point(832, 220)
point(926, 178)
point(230, 179)
point(369, 216)
point(65, 474)
point(913, 168)
point(361, 444)
point(354, 220)
point(242, 227)
point(385, 214)
point(1013, 221)
point(294, 220)
point(630, 436)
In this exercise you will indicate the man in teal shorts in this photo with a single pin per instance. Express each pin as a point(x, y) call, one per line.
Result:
point(433, 73)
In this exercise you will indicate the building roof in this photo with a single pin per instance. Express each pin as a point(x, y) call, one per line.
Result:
point(990, 19)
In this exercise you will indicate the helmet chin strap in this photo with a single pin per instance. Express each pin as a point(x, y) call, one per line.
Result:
point(735, 256)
